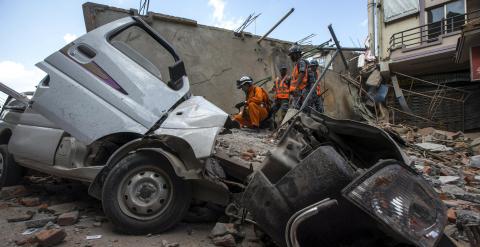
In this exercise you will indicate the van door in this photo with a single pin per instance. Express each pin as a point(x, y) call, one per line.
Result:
point(120, 77)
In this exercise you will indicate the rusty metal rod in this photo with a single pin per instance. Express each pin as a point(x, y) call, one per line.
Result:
point(343, 49)
point(276, 25)
point(337, 44)
point(429, 96)
point(410, 114)
point(432, 83)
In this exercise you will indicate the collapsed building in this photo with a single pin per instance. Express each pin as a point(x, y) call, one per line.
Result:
point(428, 53)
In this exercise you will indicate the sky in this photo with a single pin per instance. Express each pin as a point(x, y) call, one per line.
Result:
point(31, 30)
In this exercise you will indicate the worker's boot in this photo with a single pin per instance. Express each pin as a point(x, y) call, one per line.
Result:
point(231, 124)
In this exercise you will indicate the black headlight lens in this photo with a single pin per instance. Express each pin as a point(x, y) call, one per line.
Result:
point(402, 200)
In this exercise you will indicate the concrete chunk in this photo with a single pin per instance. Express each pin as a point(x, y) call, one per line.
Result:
point(374, 79)
point(448, 179)
point(23, 217)
point(13, 192)
point(475, 146)
point(221, 229)
point(36, 223)
point(63, 208)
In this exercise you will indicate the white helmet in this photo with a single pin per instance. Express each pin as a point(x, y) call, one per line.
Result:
point(244, 79)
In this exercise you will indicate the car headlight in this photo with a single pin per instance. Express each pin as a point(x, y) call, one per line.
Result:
point(402, 200)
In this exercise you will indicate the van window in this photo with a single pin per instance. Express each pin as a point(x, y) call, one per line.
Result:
point(142, 48)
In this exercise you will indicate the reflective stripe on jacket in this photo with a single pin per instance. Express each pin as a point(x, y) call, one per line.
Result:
point(318, 89)
point(282, 90)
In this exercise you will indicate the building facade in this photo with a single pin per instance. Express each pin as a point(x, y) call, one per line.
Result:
point(432, 48)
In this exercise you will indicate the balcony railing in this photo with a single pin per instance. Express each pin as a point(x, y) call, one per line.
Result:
point(431, 32)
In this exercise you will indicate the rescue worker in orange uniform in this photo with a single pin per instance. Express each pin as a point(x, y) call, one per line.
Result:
point(281, 88)
point(299, 80)
point(256, 105)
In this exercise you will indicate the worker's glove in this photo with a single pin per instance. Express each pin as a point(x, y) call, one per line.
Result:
point(241, 104)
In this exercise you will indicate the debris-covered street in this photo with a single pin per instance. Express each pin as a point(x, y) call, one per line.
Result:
point(163, 126)
point(450, 162)
point(50, 211)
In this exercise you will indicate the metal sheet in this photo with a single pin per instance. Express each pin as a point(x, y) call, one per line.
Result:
point(34, 142)
point(399, 95)
point(195, 113)
point(202, 140)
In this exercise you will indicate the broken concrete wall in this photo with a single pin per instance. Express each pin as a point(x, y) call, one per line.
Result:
point(339, 97)
point(214, 58)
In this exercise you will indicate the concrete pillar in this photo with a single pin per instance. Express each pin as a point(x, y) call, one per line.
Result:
point(380, 29)
point(371, 24)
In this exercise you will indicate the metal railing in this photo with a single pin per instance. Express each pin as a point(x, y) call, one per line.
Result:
point(431, 32)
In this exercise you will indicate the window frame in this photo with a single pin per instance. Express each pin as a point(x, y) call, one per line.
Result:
point(161, 77)
point(444, 30)
point(177, 69)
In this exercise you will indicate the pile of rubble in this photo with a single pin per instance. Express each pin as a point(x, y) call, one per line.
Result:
point(450, 161)
point(246, 145)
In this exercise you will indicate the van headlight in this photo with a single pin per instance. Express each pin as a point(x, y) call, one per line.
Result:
point(394, 195)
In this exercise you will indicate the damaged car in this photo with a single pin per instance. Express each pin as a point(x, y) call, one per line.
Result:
point(343, 183)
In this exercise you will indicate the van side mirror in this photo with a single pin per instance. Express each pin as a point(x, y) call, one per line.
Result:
point(177, 71)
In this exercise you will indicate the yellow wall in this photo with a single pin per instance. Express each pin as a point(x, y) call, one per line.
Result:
point(397, 26)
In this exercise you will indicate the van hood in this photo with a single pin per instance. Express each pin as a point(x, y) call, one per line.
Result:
point(195, 113)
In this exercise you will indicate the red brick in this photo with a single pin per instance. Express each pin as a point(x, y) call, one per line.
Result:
point(68, 219)
point(247, 156)
point(30, 201)
point(452, 215)
point(225, 241)
point(427, 170)
point(50, 237)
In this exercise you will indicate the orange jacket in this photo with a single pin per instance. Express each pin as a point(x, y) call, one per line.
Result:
point(282, 90)
point(258, 96)
point(319, 91)
point(295, 75)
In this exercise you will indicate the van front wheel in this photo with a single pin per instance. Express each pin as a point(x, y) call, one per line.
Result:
point(142, 194)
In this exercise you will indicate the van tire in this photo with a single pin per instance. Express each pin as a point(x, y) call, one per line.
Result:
point(142, 195)
point(10, 173)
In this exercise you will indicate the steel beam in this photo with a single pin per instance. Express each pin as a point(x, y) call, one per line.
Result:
point(276, 25)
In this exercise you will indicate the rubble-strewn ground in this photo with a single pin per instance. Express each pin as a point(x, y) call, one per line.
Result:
point(246, 145)
point(58, 210)
point(48, 198)
point(451, 163)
